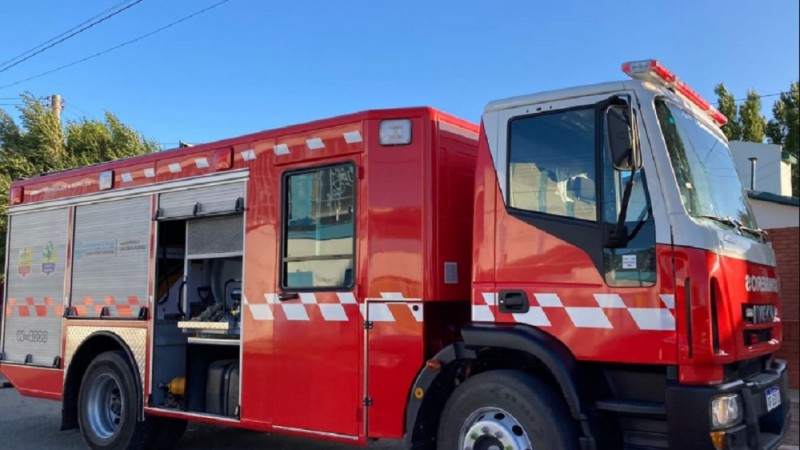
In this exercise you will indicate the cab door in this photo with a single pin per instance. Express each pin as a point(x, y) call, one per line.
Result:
point(576, 247)
point(318, 326)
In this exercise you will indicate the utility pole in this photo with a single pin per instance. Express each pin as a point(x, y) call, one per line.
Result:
point(55, 105)
point(752, 160)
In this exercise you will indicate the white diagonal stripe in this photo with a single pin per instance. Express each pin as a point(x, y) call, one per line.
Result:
point(490, 298)
point(201, 163)
point(149, 173)
point(549, 300)
point(392, 296)
point(609, 301)
point(535, 316)
point(346, 298)
point(271, 298)
point(588, 317)
point(174, 167)
point(308, 298)
point(352, 137)
point(315, 143)
point(248, 155)
point(127, 177)
point(261, 312)
point(482, 313)
point(653, 318)
point(668, 300)
point(333, 312)
point(416, 310)
point(380, 312)
point(281, 149)
point(295, 311)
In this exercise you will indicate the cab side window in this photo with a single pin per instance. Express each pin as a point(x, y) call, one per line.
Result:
point(552, 164)
point(318, 228)
point(634, 264)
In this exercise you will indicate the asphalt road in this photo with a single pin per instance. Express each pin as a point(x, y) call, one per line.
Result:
point(33, 424)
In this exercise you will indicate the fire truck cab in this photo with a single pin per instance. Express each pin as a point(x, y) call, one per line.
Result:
point(582, 271)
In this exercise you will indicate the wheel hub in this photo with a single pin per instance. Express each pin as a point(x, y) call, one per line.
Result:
point(493, 429)
point(105, 406)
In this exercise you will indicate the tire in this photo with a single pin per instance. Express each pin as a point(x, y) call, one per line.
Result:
point(164, 433)
point(506, 409)
point(109, 405)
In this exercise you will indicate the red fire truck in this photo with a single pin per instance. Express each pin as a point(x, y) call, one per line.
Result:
point(582, 271)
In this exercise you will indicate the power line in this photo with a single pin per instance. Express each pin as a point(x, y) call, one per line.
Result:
point(72, 105)
point(78, 31)
point(762, 96)
point(170, 25)
point(62, 34)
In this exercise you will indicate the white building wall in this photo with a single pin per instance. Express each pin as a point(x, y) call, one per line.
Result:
point(772, 174)
point(774, 215)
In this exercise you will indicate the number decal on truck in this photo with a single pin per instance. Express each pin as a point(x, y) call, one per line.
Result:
point(32, 336)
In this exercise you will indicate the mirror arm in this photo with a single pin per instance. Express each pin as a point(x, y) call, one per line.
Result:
point(620, 238)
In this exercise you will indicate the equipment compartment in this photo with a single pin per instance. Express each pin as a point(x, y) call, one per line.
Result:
point(222, 388)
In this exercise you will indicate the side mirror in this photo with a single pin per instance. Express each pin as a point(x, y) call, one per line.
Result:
point(621, 137)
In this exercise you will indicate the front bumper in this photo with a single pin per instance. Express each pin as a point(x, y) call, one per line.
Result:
point(689, 419)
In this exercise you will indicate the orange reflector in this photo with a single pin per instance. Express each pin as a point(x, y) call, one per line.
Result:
point(718, 439)
point(434, 364)
point(16, 196)
point(223, 158)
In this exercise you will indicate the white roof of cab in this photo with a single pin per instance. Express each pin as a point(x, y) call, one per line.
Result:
point(560, 94)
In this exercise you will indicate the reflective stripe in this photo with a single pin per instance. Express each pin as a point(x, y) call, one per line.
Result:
point(485, 309)
point(392, 307)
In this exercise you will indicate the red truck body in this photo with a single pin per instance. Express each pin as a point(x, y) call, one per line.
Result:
point(355, 277)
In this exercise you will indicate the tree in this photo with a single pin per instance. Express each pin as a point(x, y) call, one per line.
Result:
point(752, 122)
point(784, 128)
point(40, 143)
point(727, 105)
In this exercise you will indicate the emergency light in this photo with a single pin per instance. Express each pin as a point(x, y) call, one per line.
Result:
point(652, 71)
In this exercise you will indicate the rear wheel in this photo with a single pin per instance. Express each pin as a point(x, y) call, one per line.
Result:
point(108, 405)
point(506, 410)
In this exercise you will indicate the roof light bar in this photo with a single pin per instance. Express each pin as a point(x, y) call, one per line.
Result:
point(652, 71)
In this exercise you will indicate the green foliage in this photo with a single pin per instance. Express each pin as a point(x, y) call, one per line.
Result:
point(726, 104)
point(40, 143)
point(784, 128)
point(752, 122)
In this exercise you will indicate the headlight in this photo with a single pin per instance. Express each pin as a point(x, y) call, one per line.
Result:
point(725, 410)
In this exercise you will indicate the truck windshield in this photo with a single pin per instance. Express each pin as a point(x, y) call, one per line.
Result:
point(704, 169)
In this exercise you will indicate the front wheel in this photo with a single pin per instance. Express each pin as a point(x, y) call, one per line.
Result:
point(506, 410)
point(108, 406)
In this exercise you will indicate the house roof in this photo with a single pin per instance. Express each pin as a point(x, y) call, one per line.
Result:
point(774, 198)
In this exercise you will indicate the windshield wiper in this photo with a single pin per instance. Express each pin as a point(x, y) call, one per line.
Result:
point(755, 232)
point(736, 224)
point(729, 221)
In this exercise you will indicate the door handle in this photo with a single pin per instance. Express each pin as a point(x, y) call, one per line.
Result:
point(284, 296)
point(513, 302)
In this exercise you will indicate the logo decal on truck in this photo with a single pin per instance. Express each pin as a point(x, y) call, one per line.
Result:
point(49, 259)
point(753, 283)
point(25, 261)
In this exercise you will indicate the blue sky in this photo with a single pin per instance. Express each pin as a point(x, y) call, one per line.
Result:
point(251, 65)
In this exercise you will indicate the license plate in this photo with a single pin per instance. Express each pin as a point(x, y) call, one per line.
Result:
point(773, 395)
